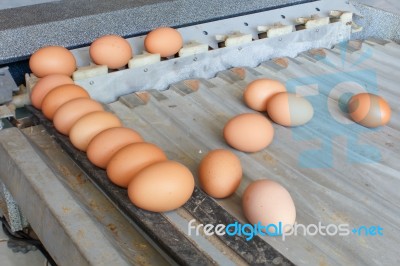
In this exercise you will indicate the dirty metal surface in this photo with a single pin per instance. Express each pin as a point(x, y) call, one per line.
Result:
point(43, 200)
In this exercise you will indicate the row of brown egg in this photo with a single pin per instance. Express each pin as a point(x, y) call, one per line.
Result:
point(154, 183)
point(129, 161)
point(112, 51)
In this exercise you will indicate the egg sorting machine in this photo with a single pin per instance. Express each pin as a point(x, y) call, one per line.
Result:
point(336, 171)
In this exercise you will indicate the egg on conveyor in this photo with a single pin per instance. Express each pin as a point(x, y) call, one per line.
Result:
point(70, 112)
point(164, 41)
point(129, 160)
point(161, 187)
point(259, 91)
point(268, 202)
point(89, 125)
point(52, 60)
point(220, 173)
point(45, 85)
point(250, 132)
point(60, 95)
point(369, 110)
point(108, 142)
point(288, 109)
point(111, 50)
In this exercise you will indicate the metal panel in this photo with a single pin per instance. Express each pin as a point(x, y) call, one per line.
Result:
point(7, 86)
point(18, 164)
point(392, 6)
point(377, 22)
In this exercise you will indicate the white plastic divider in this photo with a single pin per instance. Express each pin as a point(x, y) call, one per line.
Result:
point(107, 88)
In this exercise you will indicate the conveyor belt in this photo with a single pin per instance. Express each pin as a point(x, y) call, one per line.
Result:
point(337, 172)
point(158, 227)
point(76, 23)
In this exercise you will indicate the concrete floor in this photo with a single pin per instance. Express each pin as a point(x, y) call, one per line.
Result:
point(9, 258)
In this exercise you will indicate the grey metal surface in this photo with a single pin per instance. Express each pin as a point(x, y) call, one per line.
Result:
point(6, 4)
point(10, 209)
point(336, 171)
point(392, 6)
point(74, 221)
point(73, 23)
point(7, 85)
point(378, 21)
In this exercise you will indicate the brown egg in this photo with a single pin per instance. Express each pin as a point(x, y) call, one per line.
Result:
point(111, 50)
point(220, 173)
point(70, 112)
point(89, 125)
point(46, 84)
point(249, 132)
point(105, 144)
point(52, 60)
point(288, 109)
point(60, 95)
point(369, 110)
point(161, 187)
point(129, 160)
point(164, 41)
point(259, 91)
point(268, 202)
